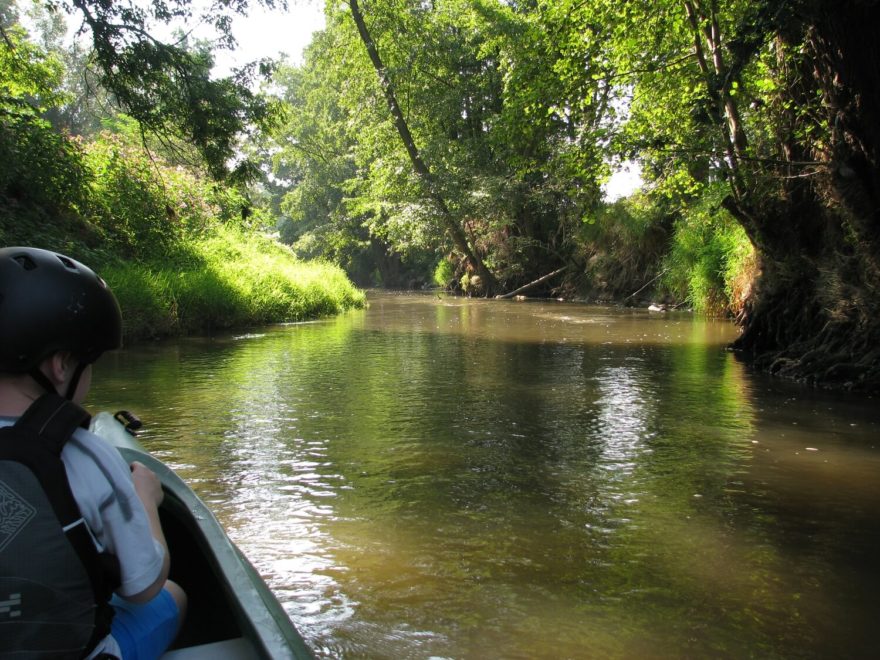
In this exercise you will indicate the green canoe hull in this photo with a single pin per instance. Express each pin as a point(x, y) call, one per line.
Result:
point(232, 612)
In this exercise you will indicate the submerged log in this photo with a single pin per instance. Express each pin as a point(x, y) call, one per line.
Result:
point(528, 286)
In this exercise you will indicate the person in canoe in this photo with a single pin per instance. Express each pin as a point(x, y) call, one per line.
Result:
point(83, 559)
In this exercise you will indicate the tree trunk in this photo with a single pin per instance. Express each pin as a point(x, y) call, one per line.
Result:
point(814, 317)
point(531, 285)
point(453, 227)
point(847, 53)
point(707, 38)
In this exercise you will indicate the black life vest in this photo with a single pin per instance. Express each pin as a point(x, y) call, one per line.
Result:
point(54, 585)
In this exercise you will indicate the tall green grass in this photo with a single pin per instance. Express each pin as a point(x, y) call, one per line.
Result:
point(711, 261)
point(228, 279)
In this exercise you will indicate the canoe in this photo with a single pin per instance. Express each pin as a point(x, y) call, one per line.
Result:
point(232, 612)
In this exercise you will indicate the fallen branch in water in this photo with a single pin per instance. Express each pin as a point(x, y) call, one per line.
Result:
point(662, 273)
point(531, 284)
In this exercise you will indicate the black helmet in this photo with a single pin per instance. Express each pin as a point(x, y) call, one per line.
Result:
point(49, 303)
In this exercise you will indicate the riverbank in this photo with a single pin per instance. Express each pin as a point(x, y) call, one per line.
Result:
point(224, 280)
point(183, 254)
point(230, 279)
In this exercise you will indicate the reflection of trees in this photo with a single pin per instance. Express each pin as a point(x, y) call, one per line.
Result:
point(405, 468)
point(713, 556)
point(231, 415)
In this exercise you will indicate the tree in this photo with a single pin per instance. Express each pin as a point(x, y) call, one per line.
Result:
point(451, 223)
point(167, 87)
point(29, 75)
point(500, 157)
point(778, 100)
point(817, 315)
point(312, 159)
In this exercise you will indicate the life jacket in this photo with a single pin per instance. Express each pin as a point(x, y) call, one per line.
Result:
point(55, 586)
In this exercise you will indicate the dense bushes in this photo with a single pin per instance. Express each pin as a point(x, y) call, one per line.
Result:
point(43, 187)
point(622, 246)
point(144, 212)
point(648, 248)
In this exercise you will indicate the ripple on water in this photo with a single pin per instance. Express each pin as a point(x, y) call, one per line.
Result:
point(468, 479)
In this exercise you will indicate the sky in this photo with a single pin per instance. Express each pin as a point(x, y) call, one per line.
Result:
point(264, 33)
point(260, 33)
point(623, 182)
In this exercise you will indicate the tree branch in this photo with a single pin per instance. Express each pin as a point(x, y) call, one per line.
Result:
point(530, 285)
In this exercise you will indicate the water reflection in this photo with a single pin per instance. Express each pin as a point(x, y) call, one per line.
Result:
point(465, 478)
point(282, 494)
point(623, 418)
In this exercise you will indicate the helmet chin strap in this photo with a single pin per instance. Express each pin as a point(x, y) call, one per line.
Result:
point(43, 381)
point(74, 382)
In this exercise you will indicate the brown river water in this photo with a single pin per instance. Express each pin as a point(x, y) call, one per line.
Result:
point(438, 477)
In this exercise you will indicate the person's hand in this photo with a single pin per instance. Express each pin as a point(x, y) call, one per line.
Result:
point(146, 484)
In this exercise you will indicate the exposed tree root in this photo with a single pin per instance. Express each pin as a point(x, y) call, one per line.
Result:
point(801, 331)
point(828, 360)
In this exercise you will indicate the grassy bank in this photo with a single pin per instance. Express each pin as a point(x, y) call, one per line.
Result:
point(183, 254)
point(659, 248)
point(229, 279)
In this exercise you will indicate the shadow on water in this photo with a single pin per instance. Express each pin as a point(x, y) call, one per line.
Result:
point(457, 478)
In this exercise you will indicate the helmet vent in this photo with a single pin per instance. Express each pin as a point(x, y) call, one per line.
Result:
point(25, 262)
point(68, 264)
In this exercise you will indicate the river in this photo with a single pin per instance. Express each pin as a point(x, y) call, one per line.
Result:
point(443, 477)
